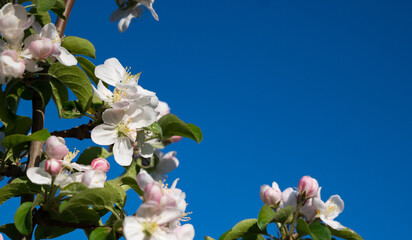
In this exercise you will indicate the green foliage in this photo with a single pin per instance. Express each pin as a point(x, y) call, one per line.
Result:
point(23, 218)
point(266, 215)
point(45, 232)
point(59, 8)
point(44, 90)
point(44, 5)
point(60, 94)
point(41, 17)
point(102, 233)
point(132, 183)
point(316, 230)
point(209, 238)
point(77, 214)
point(91, 153)
point(17, 188)
point(77, 45)
point(173, 126)
point(283, 214)
point(88, 67)
point(76, 80)
point(346, 233)
point(13, 140)
point(11, 231)
point(244, 229)
point(99, 198)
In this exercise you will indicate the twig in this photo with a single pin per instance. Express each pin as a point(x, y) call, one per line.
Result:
point(80, 132)
point(61, 23)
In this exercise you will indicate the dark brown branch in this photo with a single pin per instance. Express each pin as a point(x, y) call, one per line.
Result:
point(61, 23)
point(80, 132)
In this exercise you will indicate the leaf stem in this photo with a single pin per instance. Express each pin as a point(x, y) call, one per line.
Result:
point(113, 212)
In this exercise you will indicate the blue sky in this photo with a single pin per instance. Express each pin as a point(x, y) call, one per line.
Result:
point(280, 89)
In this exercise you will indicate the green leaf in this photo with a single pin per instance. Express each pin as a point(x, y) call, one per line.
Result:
point(44, 90)
point(42, 17)
point(319, 232)
point(5, 116)
point(73, 189)
point(209, 238)
point(88, 67)
point(17, 188)
point(91, 153)
point(71, 109)
point(44, 5)
point(11, 231)
point(60, 95)
point(283, 214)
point(102, 233)
point(13, 140)
point(59, 8)
point(132, 183)
point(173, 126)
point(77, 45)
point(302, 228)
point(254, 237)
point(76, 80)
point(77, 214)
point(23, 218)
point(222, 237)
point(45, 232)
point(266, 214)
point(243, 229)
point(156, 129)
point(346, 233)
point(101, 198)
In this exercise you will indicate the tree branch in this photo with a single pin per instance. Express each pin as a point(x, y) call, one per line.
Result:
point(61, 23)
point(80, 132)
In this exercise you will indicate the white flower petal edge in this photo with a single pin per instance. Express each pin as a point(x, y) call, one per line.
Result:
point(111, 72)
point(39, 176)
point(329, 210)
point(123, 151)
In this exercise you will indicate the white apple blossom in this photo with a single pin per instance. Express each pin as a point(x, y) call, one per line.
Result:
point(289, 198)
point(113, 73)
point(120, 128)
point(13, 22)
point(150, 223)
point(39, 175)
point(94, 178)
point(129, 11)
point(167, 163)
point(185, 232)
point(329, 210)
point(49, 31)
point(307, 209)
point(10, 66)
point(163, 109)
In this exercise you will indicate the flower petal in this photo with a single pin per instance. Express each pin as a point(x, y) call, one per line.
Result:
point(123, 151)
point(65, 57)
point(333, 224)
point(132, 229)
point(111, 72)
point(38, 175)
point(104, 134)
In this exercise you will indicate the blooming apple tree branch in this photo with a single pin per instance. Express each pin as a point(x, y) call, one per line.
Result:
point(63, 189)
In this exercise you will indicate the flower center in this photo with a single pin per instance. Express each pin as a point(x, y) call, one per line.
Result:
point(129, 78)
point(332, 207)
point(149, 228)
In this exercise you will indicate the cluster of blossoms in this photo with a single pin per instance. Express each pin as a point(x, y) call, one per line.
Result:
point(306, 200)
point(59, 169)
point(17, 55)
point(160, 215)
point(130, 9)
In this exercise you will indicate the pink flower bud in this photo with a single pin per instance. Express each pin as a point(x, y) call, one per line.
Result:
point(41, 49)
point(271, 195)
point(53, 166)
point(308, 186)
point(100, 164)
point(1, 237)
point(153, 192)
point(174, 139)
point(55, 147)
